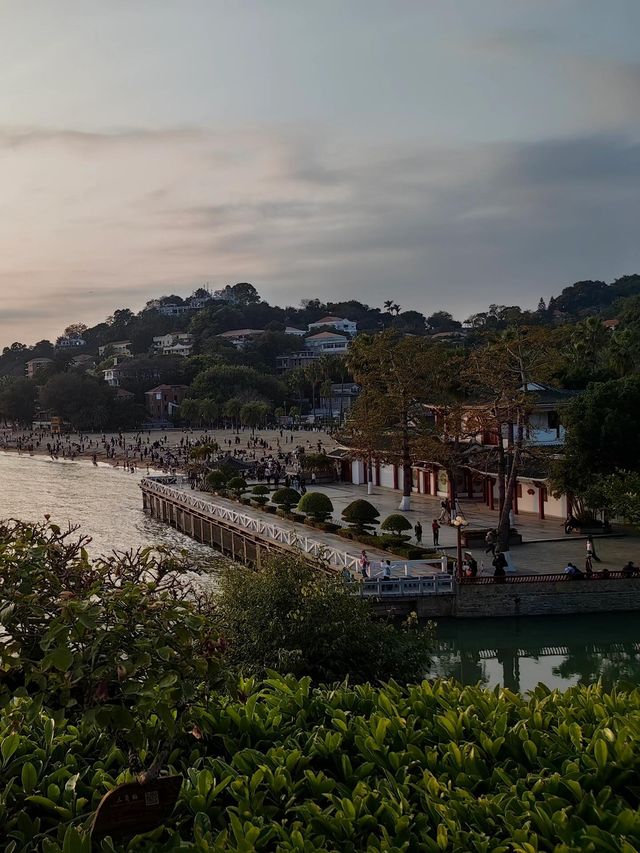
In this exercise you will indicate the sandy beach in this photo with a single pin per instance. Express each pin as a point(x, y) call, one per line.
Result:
point(161, 450)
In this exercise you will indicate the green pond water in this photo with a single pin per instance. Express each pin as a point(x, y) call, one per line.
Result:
point(559, 651)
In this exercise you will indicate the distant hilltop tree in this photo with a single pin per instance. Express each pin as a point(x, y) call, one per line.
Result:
point(242, 293)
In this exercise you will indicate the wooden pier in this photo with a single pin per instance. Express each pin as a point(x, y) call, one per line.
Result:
point(235, 534)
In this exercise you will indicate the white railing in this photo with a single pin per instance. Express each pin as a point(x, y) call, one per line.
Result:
point(265, 529)
point(427, 585)
point(405, 570)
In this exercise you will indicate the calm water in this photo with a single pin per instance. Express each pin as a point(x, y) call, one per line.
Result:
point(516, 653)
point(105, 501)
point(558, 650)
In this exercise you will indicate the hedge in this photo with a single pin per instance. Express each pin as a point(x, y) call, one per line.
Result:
point(434, 767)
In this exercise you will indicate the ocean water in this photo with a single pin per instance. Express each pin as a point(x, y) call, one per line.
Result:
point(106, 502)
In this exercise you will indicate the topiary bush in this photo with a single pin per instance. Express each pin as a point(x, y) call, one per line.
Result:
point(259, 494)
point(286, 499)
point(397, 524)
point(237, 485)
point(317, 505)
point(216, 479)
point(361, 516)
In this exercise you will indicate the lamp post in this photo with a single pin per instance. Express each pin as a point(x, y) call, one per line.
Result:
point(459, 523)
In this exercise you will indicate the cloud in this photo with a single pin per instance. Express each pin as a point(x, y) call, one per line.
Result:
point(435, 227)
point(29, 137)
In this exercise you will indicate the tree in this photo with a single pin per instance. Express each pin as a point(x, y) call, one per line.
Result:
point(390, 412)
point(75, 330)
point(243, 293)
point(442, 321)
point(600, 439)
point(317, 505)
point(18, 401)
point(80, 399)
point(361, 516)
point(254, 413)
point(294, 617)
point(501, 374)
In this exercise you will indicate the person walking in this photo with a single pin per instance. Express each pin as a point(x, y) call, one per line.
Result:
point(435, 527)
point(364, 565)
point(418, 532)
point(490, 541)
point(591, 551)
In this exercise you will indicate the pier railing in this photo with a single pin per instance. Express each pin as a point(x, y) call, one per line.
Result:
point(265, 529)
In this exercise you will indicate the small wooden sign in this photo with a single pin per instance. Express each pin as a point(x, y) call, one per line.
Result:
point(136, 807)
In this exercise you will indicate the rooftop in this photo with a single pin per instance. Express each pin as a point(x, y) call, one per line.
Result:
point(321, 336)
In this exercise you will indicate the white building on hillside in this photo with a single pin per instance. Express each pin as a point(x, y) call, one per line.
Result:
point(338, 323)
point(116, 348)
point(327, 343)
point(173, 343)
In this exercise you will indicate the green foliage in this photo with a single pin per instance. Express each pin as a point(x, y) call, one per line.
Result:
point(318, 462)
point(238, 485)
point(396, 523)
point(433, 767)
point(111, 640)
point(216, 479)
point(286, 498)
point(620, 495)
point(601, 438)
point(294, 617)
point(317, 505)
point(259, 494)
point(360, 515)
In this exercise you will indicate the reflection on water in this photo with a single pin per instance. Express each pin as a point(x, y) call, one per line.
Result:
point(105, 501)
point(558, 650)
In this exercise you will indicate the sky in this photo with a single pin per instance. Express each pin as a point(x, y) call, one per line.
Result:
point(447, 154)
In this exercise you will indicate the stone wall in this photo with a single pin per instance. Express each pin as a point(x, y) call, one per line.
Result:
point(522, 599)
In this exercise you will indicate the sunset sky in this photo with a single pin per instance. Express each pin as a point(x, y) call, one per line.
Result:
point(443, 153)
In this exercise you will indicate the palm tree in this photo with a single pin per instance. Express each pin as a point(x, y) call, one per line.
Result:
point(313, 374)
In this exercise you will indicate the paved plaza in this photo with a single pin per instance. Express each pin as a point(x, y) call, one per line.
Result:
point(546, 547)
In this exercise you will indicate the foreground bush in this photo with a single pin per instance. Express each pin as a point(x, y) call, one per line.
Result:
point(282, 766)
point(294, 618)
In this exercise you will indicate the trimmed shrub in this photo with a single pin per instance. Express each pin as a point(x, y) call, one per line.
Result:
point(396, 523)
point(361, 516)
point(259, 494)
point(237, 485)
point(216, 479)
point(286, 499)
point(317, 505)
